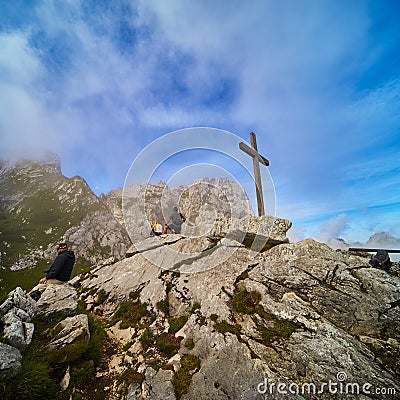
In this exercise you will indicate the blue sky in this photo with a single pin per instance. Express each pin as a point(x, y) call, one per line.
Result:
point(318, 81)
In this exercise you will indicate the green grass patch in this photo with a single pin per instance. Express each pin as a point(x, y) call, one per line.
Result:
point(130, 313)
point(246, 302)
point(167, 344)
point(101, 297)
point(134, 295)
point(94, 350)
point(279, 330)
point(131, 376)
point(82, 373)
point(176, 323)
point(33, 382)
point(225, 327)
point(163, 306)
point(42, 371)
point(147, 339)
point(190, 364)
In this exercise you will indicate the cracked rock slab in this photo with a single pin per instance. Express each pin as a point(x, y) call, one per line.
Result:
point(58, 298)
point(10, 360)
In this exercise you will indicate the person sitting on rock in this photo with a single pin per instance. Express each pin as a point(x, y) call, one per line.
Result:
point(58, 273)
point(156, 229)
point(175, 222)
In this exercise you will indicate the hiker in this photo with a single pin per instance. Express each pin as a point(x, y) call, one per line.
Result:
point(156, 229)
point(58, 273)
point(176, 219)
point(381, 260)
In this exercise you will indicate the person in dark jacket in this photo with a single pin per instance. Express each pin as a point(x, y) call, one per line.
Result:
point(59, 272)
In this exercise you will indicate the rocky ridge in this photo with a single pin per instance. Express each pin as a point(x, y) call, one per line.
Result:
point(214, 315)
point(202, 202)
point(40, 207)
point(295, 314)
point(225, 322)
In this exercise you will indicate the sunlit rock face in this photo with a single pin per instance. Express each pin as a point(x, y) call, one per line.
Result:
point(294, 314)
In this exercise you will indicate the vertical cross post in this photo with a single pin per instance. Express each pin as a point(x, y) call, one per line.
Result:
point(257, 159)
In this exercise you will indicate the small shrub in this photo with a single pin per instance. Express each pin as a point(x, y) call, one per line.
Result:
point(130, 313)
point(163, 306)
point(176, 323)
point(246, 302)
point(131, 376)
point(167, 344)
point(183, 377)
point(225, 327)
point(189, 344)
point(147, 339)
point(279, 329)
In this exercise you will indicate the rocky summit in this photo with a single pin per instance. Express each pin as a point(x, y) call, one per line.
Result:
point(301, 316)
point(229, 309)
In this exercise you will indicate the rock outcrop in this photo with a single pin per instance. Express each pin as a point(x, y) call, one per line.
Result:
point(67, 332)
point(10, 360)
point(16, 313)
point(227, 310)
point(202, 203)
point(299, 315)
point(260, 233)
point(58, 298)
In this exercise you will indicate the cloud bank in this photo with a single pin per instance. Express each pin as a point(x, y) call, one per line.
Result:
point(318, 83)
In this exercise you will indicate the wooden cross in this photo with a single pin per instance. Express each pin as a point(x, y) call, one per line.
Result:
point(257, 159)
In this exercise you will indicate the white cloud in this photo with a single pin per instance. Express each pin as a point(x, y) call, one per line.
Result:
point(330, 231)
point(291, 74)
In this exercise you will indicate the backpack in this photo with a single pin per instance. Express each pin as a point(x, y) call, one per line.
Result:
point(381, 260)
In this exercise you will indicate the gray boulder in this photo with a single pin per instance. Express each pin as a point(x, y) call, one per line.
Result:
point(259, 233)
point(58, 298)
point(6, 306)
point(18, 299)
point(16, 332)
point(17, 311)
point(10, 360)
point(69, 331)
point(157, 385)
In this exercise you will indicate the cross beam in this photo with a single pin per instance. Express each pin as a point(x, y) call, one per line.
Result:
point(257, 159)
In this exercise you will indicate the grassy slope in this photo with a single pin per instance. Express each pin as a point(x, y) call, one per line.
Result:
point(46, 199)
